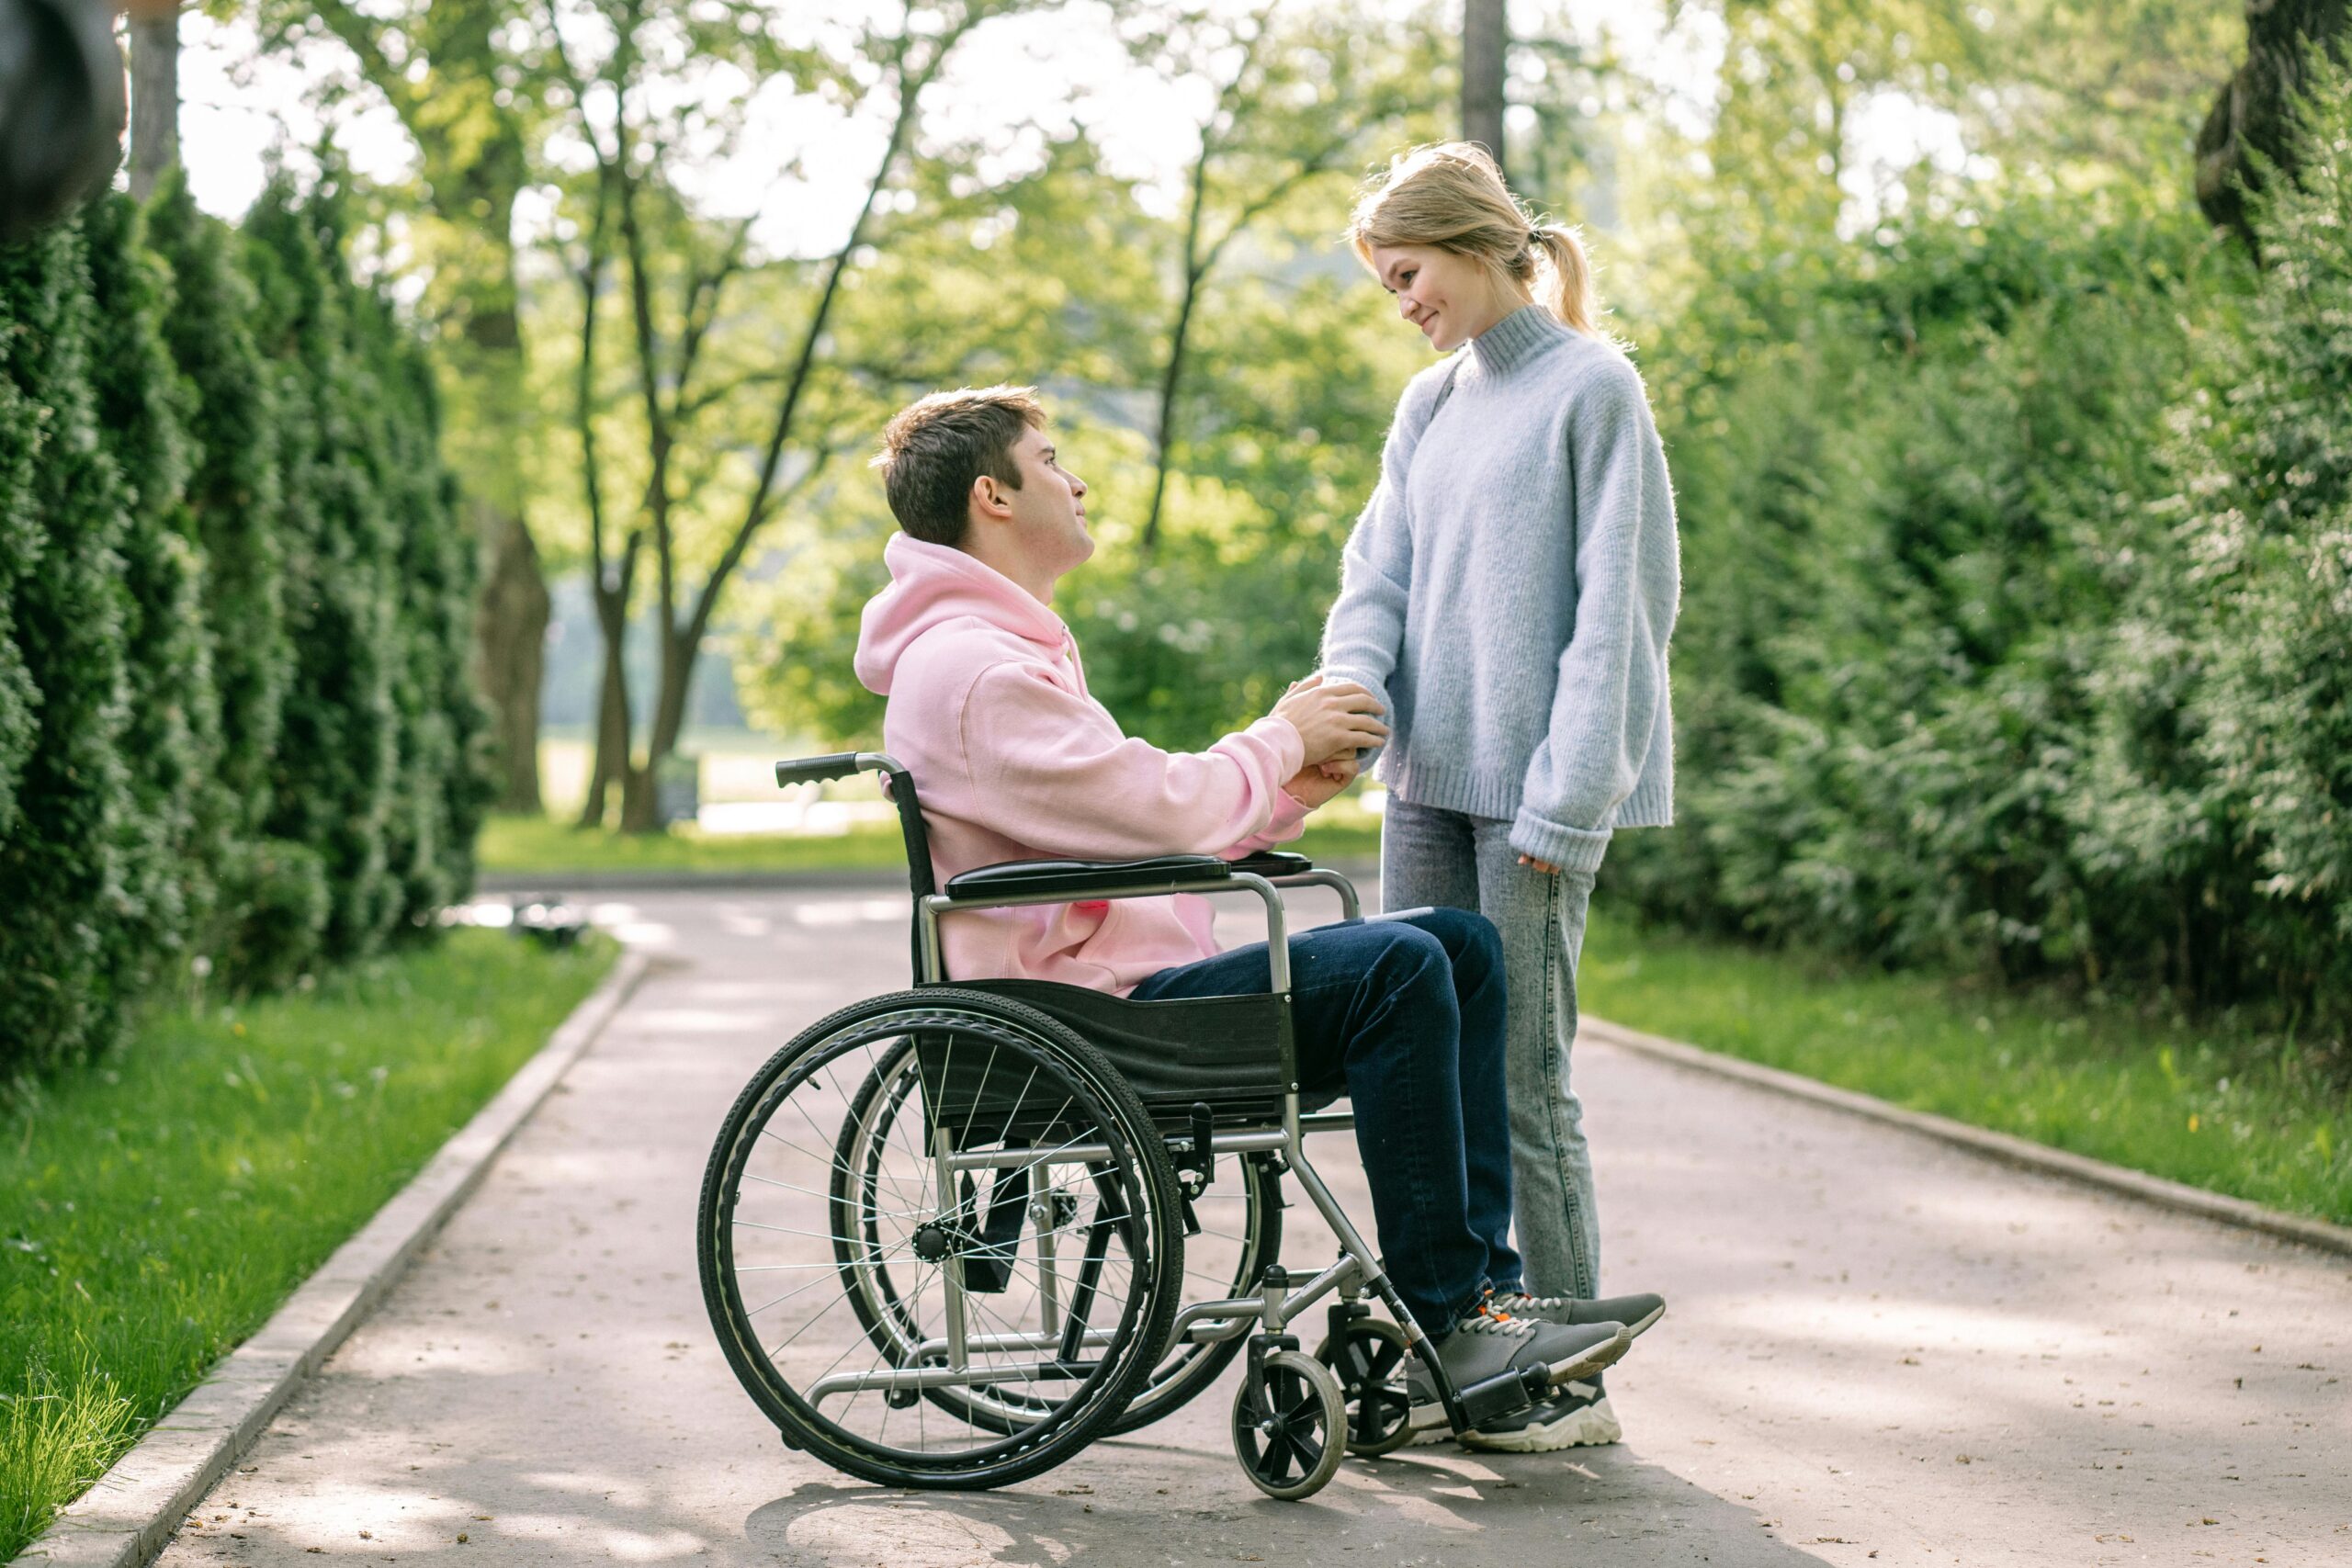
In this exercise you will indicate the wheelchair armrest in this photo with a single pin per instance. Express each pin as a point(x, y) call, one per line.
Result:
point(1080, 877)
point(1274, 863)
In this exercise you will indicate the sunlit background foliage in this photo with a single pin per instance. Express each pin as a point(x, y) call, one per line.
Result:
point(2013, 496)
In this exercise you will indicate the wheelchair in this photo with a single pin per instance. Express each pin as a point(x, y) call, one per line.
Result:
point(949, 1236)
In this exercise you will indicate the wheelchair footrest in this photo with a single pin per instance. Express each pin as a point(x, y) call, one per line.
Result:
point(1506, 1393)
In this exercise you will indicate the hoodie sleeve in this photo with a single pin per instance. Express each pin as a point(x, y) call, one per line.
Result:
point(1059, 773)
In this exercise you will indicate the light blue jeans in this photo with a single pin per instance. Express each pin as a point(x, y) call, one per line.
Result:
point(1446, 859)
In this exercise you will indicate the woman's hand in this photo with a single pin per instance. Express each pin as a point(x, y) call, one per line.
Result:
point(1545, 866)
point(1335, 719)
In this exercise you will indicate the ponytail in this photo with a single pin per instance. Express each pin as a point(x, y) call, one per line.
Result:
point(1564, 285)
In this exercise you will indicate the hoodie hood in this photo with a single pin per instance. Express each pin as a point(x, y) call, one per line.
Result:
point(931, 585)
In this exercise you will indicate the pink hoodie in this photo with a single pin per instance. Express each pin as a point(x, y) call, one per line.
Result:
point(1015, 761)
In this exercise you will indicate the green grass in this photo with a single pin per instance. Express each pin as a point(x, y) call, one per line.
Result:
point(2214, 1104)
point(542, 846)
point(535, 845)
point(156, 1207)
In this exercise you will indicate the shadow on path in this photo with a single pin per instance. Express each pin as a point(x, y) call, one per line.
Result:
point(1433, 1506)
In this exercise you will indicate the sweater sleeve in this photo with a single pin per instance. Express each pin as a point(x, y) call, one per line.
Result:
point(1059, 775)
point(1612, 674)
point(1365, 633)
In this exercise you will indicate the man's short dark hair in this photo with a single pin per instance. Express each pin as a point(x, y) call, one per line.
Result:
point(932, 451)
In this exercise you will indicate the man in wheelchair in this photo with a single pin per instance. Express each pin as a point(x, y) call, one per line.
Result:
point(989, 708)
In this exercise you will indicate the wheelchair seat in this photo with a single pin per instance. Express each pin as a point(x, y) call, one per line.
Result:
point(1233, 1055)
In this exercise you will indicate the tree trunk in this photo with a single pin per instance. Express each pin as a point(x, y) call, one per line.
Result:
point(2251, 112)
point(508, 665)
point(611, 742)
point(511, 634)
point(155, 98)
point(1164, 446)
point(639, 806)
point(1171, 380)
point(637, 798)
point(613, 719)
point(1486, 40)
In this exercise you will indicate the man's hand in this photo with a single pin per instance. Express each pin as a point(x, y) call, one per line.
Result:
point(1336, 719)
point(1315, 786)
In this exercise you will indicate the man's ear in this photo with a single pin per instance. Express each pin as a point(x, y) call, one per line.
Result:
point(988, 495)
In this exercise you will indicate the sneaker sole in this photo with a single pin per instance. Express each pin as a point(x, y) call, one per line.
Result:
point(1606, 1354)
point(1429, 1424)
point(1591, 1426)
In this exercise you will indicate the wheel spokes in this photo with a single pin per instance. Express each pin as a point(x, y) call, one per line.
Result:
point(868, 1200)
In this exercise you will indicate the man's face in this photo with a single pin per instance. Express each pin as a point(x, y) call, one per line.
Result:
point(1049, 509)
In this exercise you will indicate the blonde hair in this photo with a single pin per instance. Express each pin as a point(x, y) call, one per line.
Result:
point(1450, 196)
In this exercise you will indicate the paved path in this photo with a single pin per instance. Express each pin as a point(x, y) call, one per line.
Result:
point(1880, 1349)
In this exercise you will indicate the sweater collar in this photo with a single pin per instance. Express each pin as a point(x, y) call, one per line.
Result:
point(1517, 338)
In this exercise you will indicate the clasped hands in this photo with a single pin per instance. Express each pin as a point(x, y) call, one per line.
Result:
point(1337, 719)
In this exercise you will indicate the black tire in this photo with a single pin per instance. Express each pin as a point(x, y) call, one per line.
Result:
point(1290, 1426)
point(1125, 1195)
point(1211, 1273)
point(1369, 1356)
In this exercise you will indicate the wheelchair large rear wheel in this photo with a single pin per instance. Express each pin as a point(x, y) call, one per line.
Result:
point(962, 1292)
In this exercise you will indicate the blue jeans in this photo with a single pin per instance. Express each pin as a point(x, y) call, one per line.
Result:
point(1453, 861)
point(1404, 1012)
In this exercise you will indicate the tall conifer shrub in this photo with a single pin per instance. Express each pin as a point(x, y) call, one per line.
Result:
point(336, 762)
point(173, 839)
point(62, 859)
point(273, 901)
point(443, 784)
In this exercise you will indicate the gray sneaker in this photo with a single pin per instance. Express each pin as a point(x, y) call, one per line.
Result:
point(1575, 1418)
point(1488, 1343)
point(1635, 1311)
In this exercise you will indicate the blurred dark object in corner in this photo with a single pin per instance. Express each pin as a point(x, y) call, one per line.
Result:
point(62, 108)
point(549, 921)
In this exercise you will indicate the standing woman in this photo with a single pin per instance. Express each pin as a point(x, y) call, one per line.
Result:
point(1508, 592)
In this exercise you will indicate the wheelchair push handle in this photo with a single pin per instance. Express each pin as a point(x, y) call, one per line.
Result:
point(816, 770)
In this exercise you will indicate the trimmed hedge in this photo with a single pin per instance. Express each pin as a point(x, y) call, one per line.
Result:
point(2017, 633)
point(237, 733)
point(61, 862)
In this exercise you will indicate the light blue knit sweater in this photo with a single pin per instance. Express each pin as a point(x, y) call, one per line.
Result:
point(1510, 589)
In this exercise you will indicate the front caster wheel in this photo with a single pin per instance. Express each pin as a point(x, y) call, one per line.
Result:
point(1290, 1423)
point(1368, 1357)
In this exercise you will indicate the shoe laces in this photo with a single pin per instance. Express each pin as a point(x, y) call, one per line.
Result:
point(1507, 1302)
point(1485, 1319)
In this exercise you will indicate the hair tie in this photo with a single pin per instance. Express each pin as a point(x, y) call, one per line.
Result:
point(1535, 236)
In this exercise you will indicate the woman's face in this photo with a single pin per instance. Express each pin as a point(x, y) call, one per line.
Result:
point(1445, 294)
